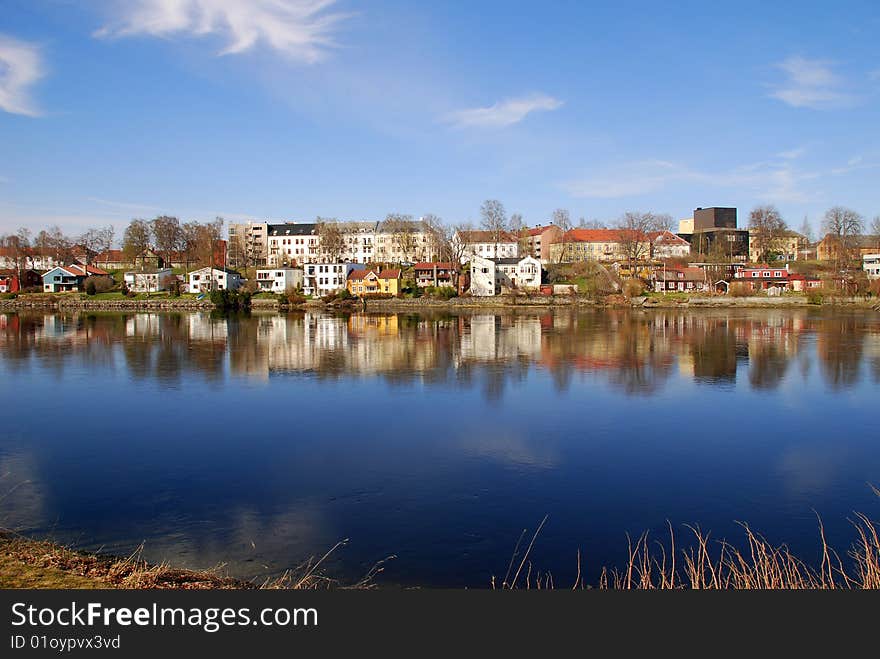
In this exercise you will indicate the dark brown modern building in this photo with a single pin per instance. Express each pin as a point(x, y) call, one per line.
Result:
point(714, 218)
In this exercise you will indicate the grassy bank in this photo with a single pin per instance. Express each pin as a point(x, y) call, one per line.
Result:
point(651, 564)
point(29, 563)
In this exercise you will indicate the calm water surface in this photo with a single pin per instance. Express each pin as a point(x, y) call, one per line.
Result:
point(260, 441)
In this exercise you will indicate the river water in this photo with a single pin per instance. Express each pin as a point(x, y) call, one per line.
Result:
point(260, 441)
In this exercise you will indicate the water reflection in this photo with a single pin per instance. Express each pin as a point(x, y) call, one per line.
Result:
point(635, 352)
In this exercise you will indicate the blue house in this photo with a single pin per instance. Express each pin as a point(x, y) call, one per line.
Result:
point(61, 279)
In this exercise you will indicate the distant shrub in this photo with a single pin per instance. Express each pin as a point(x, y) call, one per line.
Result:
point(226, 300)
point(740, 289)
point(816, 295)
point(344, 294)
point(632, 288)
point(378, 296)
point(98, 285)
point(294, 296)
point(8, 296)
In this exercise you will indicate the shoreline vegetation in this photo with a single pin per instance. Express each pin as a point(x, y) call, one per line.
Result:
point(652, 564)
point(164, 302)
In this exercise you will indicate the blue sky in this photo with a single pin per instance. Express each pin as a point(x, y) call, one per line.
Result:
point(289, 109)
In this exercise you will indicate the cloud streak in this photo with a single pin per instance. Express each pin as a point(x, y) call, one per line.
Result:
point(21, 67)
point(504, 113)
point(810, 83)
point(776, 181)
point(299, 29)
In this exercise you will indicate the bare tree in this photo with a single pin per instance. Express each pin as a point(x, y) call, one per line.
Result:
point(561, 218)
point(807, 231)
point(584, 223)
point(19, 246)
point(632, 235)
point(458, 248)
point(331, 238)
point(56, 244)
point(662, 222)
point(766, 226)
point(439, 237)
point(403, 232)
point(844, 225)
point(875, 230)
point(167, 236)
point(136, 239)
point(95, 241)
point(199, 242)
point(494, 220)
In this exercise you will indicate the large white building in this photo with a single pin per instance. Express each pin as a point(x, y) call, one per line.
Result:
point(871, 265)
point(524, 273)
point(149, 280)
point(486, 244)
point(279, 280)
point(205, 280)
point(292, 243)
point(321, 279)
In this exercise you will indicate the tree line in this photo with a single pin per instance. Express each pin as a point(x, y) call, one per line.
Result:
point(191, 242)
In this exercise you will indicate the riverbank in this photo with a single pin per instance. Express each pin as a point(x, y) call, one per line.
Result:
point(75, 302)
point(651, 565)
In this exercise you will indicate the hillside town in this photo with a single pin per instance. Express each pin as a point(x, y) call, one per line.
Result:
point(709, 254)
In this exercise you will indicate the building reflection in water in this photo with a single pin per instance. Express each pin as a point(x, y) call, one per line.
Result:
point(634, 351)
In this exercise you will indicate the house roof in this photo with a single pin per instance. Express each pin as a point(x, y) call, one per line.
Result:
point(681, 274)
point(537, 231)
point(81, 270)
point(599, 235)
point(482, 236)
point(667, 238)
point(292, 229)
point(441, 265)
point(359, 275)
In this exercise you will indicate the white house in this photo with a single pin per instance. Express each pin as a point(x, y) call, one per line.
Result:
point(149, 280)
point(666, 245)
point(486, 244)
point(871, 265)
point(205, 280)
point(484, 277)
point(279, 280)
point(321, 279)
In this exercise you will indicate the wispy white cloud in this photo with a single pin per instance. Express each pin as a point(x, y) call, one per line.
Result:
point(504, 113)
point(792, 154)
point(21, 66)
point(300, 29)
point(811, 83)
point(777, 181)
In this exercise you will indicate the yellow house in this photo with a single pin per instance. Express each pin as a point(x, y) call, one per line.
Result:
point(370, 282)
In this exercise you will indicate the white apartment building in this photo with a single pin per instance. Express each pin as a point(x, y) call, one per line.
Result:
point(321, 279)
point(292, 243)
point(871, 265)
point(486, 244)
point(279, 280)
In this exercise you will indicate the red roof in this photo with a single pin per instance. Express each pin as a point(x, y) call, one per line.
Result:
point(358, 275)
point(537, 231)
point(441, 265)
point(667, 238)
point(598, 235)
point(78, 269)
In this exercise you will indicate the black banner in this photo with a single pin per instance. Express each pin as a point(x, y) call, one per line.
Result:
point(150, 623)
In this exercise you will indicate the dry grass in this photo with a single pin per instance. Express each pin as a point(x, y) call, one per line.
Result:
point(717, 565)
point(26, 563)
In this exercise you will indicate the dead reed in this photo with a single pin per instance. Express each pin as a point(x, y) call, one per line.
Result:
point(708, 564)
